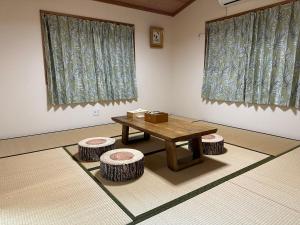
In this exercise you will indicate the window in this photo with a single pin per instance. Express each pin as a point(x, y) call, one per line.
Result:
point(255, 57)
point(87, 60)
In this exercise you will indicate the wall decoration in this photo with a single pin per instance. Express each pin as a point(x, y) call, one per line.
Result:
point(156, 37)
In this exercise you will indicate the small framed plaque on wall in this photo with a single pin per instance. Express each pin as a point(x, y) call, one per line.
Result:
point(156, 37)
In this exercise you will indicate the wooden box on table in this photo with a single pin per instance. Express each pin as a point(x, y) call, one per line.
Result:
point(157, 117)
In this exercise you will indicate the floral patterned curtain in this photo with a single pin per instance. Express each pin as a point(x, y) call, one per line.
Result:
point(255, 58)
point(88, 61)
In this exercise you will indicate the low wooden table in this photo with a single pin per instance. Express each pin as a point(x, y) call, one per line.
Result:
point(172, 131)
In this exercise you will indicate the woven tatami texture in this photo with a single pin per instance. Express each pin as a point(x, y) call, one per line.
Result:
point(50, 188)
point(277, 180)
point(268, 194)
point(227, 204)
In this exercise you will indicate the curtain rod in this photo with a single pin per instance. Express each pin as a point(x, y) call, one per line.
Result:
point(84, 17)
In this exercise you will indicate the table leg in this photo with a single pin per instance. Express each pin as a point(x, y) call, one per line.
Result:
point(125, 134)
point(146, 136)
point(196, 147)
point(175, 164)
point(171, 156)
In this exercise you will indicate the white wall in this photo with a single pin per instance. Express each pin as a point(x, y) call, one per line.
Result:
point(23, 105)
point(187, 73)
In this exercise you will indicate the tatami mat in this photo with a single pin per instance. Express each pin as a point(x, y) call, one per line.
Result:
point(227, 204)
point(50, 188)
point(159, 184)
point(268, 194)
point(57, 139)
point(151, 145)
point(277, 180)
point(268, 144)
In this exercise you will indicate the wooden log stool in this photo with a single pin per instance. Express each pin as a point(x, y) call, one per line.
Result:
point(122, 164)
point(91, 149)
point(213, 144)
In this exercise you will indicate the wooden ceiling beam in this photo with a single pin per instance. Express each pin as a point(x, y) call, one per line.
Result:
point(183, 7)
point(147, 9)
point(128, 5)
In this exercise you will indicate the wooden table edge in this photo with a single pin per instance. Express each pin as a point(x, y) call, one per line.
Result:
point(182, 138)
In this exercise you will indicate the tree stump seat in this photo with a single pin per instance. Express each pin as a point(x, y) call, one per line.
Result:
point(121, 165)
point(213, 144)
point(91, 149)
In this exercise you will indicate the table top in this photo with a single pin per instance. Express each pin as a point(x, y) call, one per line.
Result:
point(173, 130)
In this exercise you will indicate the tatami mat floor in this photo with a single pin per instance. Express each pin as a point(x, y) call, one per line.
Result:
point(278, 180)
point(269, 194)
point(255, 182)
point(49, 188)
point(227, 204)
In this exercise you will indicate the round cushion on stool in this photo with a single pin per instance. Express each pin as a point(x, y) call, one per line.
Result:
point(91, 149)
point(122, 164)
point(213, 144)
